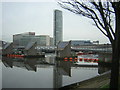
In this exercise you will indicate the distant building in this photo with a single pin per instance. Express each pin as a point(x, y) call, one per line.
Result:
point(80, 42)
point(51, 41)
point(23, 39)
point(95, 42)
point(58, 25)
point(42, 40)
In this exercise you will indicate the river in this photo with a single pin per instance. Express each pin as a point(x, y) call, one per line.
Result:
point(43, 72)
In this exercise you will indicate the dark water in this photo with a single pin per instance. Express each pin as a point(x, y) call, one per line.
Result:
point(43, 73)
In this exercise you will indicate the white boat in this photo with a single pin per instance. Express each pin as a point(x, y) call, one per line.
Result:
point(87, 59)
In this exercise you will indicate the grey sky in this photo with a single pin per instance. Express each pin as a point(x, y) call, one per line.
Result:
point(19, 17)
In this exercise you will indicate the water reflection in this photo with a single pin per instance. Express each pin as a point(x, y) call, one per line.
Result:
point(61, 68)
point(21, 63)
point(27, 73)
point(43, 72)
point(26, 63)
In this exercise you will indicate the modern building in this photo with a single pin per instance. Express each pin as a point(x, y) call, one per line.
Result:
point(23, 39)
point(80, 42)
point(42, 40)
point(58, 27)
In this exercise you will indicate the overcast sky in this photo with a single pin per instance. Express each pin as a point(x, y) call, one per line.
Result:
point(32, 16)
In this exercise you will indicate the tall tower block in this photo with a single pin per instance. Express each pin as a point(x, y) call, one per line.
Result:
point(58, 27)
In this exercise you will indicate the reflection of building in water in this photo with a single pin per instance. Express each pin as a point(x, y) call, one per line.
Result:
point(21, 63)
point(61, 68)
point(27, 63)
point(7, 62)
point(30, 65)
point(50, 60)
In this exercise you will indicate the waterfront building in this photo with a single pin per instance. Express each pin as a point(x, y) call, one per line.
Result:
point(42, 40)
point(95, 42)
point(80, 42)
point(23, 39)
point(58, 26)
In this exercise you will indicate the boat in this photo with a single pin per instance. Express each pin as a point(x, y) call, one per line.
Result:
point(87, 59)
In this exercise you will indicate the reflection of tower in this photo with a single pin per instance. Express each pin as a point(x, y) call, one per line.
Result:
point(61, 68)
point(57, 77)
point(58, 33)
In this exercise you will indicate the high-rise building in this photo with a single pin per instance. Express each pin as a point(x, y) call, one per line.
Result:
point(58, 26)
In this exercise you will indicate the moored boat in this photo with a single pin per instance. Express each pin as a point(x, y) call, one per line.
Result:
point(87, 59)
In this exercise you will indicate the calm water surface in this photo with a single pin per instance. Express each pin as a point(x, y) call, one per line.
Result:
point(42, 73)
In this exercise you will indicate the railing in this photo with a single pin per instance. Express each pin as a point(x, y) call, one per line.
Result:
point(93, 49)
point(96, 48)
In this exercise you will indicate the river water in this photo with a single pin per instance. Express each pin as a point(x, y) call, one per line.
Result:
point(43, 72)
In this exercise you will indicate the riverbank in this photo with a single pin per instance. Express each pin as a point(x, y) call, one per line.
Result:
point(95, 82)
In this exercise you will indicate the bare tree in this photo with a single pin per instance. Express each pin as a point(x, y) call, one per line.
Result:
point(106, 17)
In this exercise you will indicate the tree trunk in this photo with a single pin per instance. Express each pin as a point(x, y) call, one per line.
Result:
point(115, 69)
point(116, 52)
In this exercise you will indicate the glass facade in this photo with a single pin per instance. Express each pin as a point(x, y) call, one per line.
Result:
point(58, 25)
point(42, 40)
point(23, 39)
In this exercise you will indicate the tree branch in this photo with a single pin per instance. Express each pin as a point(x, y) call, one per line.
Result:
point(99, 12)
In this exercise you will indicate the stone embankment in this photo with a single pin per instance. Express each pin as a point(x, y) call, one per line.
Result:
point(95, 82)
